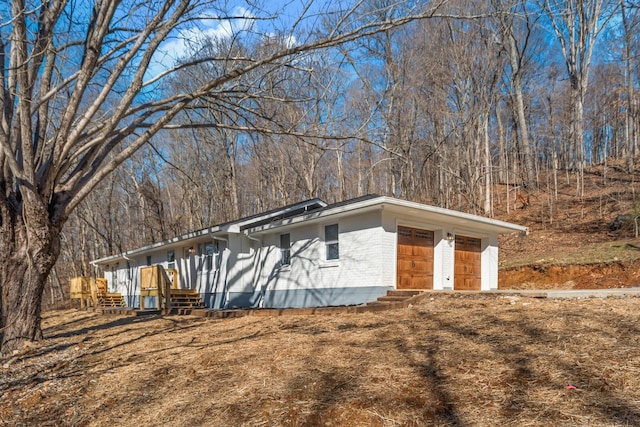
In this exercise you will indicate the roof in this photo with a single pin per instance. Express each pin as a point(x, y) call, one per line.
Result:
point(236, 226)
point(315, 210)
point(456, 219)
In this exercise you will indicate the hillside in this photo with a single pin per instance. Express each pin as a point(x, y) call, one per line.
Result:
point(571, 243)
point(448, 361)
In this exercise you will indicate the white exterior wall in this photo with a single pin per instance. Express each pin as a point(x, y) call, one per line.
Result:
point(124, 277)
point(389, 247)
point(310, 280)
point(448, 256)
point(247, 272)
point(489, 262)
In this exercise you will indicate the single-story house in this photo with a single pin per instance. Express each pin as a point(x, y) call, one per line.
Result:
point(312, 254)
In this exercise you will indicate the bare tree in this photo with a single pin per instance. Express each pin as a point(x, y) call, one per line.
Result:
point(577, 24)
point(630, 16)
point(79, 97)
point(515, 34)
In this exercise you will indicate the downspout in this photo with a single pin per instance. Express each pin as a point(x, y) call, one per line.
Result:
point(264, 289)
point(129, 261)
point(255, 239)
point(222, 239)
point(130, 275)
point(219, 267)
point(95, 267)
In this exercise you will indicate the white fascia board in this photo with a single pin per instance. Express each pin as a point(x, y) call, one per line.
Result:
point(275, 213)
point(228, 228)
point(457, 218)
point(432, 213)
point(363, 206)
point(168, 244)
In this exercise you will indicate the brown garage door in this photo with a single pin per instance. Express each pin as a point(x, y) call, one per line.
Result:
point(415, 258)
point(467, 264)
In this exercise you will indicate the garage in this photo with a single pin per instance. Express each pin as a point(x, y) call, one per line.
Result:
point(467, 264)
point(415, 258)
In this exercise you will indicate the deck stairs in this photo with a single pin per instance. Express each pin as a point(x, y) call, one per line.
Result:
point(185, 298)
point(396, 296)
point(110, 300)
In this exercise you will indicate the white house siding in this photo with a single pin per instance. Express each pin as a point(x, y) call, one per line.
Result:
point(389, 248)
point(310, 281)
point(446, 282)
point(489, 262)
point(239, 262)
point(124, 278)
point(202, 272)
point(246, 272)
point(121, 278)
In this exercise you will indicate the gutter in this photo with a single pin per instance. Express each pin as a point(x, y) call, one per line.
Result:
point(218, 238)
point(250, 237)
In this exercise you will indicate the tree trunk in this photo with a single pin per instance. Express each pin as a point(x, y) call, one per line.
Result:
point(525, 144)
point(488, 206)
point(630, 131)
point(578, 114)
point(30, 245)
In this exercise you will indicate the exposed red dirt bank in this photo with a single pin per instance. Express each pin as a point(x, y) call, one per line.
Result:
point(590, 276)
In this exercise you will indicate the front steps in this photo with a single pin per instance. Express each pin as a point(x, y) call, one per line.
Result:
point(394, 296)
point(185, 299)
point(110, 300)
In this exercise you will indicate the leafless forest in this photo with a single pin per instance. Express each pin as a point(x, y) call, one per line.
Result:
point(483, 101)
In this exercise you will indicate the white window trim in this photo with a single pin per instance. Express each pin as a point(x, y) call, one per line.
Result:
point(281, 266)
point(324, 262)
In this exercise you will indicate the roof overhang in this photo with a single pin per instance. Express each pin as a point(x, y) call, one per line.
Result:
point(427, 213)
point(218, 231)
point(176, 242)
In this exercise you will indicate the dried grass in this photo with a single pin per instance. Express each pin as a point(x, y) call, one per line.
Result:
point(472, 360)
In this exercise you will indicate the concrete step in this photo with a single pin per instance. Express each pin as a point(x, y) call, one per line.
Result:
point(376, 303)
point(393, 298)
point(403, 293)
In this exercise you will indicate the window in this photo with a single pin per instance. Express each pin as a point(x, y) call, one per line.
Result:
point(189, 251)
point(331, 242)
point(285, 249)
point(209, 249)
point(171, 258)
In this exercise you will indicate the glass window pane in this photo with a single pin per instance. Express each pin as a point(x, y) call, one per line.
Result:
point(331, 241)
point(285, 257)
point(332, 251)
point(331, 233)
point(285, 251)
point(208, 249)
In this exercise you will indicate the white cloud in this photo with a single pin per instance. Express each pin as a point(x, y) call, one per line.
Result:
point(287, 41)
point(208, 27)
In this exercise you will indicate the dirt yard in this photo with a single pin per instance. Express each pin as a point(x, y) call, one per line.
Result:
point(450, 361)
